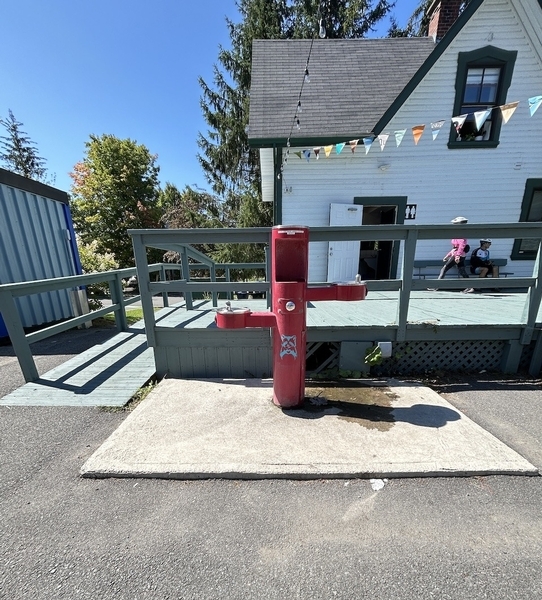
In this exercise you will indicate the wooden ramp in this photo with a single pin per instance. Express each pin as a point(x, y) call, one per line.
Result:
point(108, 374)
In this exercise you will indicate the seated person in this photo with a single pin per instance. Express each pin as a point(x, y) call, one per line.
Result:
point(479, 259)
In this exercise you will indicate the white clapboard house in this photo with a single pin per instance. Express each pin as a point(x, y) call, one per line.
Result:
point(405, 130)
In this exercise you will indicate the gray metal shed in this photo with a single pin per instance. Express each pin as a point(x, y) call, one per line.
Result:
point(37, 241)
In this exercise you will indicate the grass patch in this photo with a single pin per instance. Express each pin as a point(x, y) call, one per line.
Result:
point(138, 397)
point(133, 315)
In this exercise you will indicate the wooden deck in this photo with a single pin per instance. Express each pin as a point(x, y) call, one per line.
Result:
point(188, 342)
point(378, 312)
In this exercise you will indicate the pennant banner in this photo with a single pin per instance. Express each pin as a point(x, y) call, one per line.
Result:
point(399, 135)
point(508, 110)
point(534, 103)
point(480, 118)
point(417, 132)
point(436, 127)
point(458, 121)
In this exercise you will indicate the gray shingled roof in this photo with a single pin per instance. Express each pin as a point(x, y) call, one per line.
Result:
point(352, 84)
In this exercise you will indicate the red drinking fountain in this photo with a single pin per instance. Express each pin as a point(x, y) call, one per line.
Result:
point(290, 293)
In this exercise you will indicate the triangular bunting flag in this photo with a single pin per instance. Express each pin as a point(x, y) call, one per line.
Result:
point(353, 144)
point(417, 132)
point(339, 147)
point(382, 139)
point(508, 110)
point(328, 149)
point(534, 103)
point(480, 118)
point(436, 127)
point(399, 135)
point(317, 152)
point(367, 142)
point(307, 154)
point(458, 121)
point(298, 154)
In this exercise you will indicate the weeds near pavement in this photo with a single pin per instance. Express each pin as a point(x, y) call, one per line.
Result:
point(138, 397)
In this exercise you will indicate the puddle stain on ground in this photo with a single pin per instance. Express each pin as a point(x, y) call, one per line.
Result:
point(368, 406)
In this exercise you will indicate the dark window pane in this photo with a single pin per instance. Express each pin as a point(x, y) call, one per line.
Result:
point(535, 212)
point(490, 85)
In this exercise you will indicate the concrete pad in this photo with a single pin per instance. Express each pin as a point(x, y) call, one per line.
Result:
point(189, 429)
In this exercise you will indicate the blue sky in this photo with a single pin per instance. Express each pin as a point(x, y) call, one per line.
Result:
point(129, 68)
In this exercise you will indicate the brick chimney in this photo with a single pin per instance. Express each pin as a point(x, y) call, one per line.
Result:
point(442, 15)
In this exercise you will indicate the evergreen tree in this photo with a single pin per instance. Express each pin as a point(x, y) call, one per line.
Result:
point(418, 23)
point(18, 152)
point(229, 165)
point(340, 18)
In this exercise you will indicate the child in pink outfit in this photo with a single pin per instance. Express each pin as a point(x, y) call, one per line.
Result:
point(456, 256)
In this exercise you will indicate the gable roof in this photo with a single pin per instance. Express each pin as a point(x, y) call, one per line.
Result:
point(352, 84)
point(356, 85)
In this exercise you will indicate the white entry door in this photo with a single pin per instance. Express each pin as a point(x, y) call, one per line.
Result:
point(343, 257)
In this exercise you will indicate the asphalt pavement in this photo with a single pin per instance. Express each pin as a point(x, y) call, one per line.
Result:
point(63, 536)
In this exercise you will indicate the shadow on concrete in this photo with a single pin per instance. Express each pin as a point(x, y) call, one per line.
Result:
point(420, 415)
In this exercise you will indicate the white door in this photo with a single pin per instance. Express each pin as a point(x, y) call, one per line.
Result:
point(343, 257)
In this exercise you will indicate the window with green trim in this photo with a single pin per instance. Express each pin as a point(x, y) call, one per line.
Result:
point(531, 211)
point(482, 82)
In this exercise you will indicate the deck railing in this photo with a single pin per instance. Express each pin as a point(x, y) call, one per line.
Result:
point(180, 240)
point(407, 235)
point(21, 340)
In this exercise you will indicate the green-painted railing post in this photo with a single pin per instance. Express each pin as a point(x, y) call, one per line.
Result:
point(117, 298)
point(140, 255)
point(21, 347)
point(163, 277)
point(406, 283)
point(213, 278)
point(227, 274)
point(186, 275)
point(534, 297)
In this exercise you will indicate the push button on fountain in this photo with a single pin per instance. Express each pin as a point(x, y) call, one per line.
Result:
point(290, 306)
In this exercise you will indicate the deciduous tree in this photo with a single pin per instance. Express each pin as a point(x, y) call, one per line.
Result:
point(115, 188)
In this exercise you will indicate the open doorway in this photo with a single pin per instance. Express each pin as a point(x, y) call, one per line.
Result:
point(379, 259)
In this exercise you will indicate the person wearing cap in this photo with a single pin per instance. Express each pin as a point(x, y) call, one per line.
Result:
point(456, 256)
point(480, 259)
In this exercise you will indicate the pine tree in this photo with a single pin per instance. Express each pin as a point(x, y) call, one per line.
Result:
point(19, 153)
point(230, 166)
point(341, 19)
point(418, 23)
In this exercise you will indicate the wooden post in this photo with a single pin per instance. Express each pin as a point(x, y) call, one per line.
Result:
point(17, 336)
point(406, 287)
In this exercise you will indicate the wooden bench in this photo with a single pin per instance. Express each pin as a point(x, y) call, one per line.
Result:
point(420, 265)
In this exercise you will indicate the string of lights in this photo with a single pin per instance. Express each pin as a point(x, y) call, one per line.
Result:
point(296, 122)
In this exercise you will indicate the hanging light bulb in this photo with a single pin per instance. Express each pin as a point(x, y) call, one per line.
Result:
point(297, 124)
point(307, 76)
point(322, 31)
point(298, 107)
